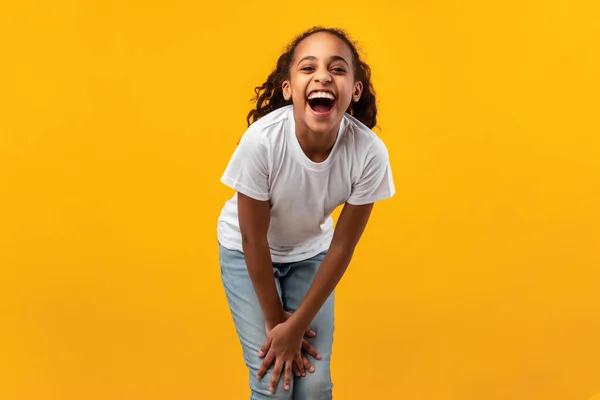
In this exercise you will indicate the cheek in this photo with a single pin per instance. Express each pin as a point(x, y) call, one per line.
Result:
point(298, 94)
point(298, 97)
point(348, 92)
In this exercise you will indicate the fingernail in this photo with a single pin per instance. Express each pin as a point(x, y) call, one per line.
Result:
point(287, 387)
point(260, 353)
point(318, 356)
point(312, 369)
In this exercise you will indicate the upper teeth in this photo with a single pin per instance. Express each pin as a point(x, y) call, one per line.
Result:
point(323, 95)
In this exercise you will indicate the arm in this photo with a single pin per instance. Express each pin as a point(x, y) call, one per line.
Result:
point(349, 229)
point(280, 346)
point(254, 217)
point(375, 184)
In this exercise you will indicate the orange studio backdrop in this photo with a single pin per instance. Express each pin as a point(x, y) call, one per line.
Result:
point(479, 280)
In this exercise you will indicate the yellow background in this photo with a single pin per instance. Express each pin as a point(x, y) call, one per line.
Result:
point(479, 280)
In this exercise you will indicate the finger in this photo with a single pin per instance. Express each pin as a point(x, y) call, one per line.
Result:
point(265, 347)
point(287, 375)
point(299, 364)
point(295, 369)
point(307, 365)
point(276, 374)
point(310, 333)
point(265, 366)
point(310, 350)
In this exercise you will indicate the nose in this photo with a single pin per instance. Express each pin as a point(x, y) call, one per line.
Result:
point(323, 76)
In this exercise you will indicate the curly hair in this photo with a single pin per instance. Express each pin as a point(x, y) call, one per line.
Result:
point(269, 95)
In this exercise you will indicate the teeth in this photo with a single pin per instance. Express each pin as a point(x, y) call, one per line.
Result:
point(322, 95)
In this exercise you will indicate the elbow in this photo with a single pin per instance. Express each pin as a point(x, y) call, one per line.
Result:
point(342, 249)
point(253, 239)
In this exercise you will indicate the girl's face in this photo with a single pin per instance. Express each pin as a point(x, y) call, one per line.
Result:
point(322, 82)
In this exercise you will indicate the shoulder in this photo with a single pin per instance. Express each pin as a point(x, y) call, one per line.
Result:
point(267, 129)
point(365, 142)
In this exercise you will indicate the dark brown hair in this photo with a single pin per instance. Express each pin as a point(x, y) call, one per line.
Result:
point(269, 95)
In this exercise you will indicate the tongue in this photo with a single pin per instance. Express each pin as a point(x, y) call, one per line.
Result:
point(321, 108)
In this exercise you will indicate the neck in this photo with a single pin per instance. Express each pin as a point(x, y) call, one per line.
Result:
point(316, 145)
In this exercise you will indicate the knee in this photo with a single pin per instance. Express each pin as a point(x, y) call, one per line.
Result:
point(260, 389)
point(315, 386)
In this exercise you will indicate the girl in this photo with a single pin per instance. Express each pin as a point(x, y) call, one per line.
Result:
point(309, 148)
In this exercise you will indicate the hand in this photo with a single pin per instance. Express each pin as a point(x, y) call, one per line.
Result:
point(285, 316)
point(299, 366)
point(282, 347)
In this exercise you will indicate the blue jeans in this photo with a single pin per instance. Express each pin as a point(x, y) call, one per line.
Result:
point(293, 281)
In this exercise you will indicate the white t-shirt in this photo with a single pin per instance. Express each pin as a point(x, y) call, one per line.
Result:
point(269, 164)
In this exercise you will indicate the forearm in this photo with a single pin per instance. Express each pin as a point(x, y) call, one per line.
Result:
point(330, 272)
point(259, 264)
point(348, 232)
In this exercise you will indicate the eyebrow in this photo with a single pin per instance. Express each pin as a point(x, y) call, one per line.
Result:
point(332, 58)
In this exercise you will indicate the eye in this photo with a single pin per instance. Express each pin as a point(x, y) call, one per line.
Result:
point(307, 68)
point(338, 70)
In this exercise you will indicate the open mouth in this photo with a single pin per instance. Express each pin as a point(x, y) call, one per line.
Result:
point(321, 102)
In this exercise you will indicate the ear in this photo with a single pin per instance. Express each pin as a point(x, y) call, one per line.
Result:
point(356, 93)
point(287, 89)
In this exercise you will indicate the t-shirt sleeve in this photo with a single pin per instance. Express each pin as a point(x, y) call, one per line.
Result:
point(247, 171)
point(376, 182)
